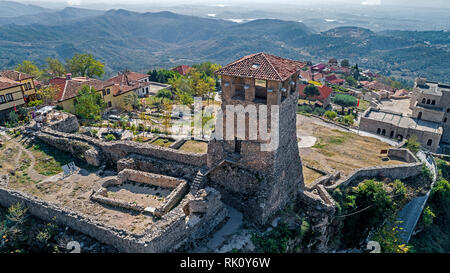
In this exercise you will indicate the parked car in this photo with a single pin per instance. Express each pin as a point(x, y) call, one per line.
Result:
point(114, 118)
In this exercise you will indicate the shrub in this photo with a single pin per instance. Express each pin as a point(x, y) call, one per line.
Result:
point(319, 111)
point(413, 144)
point(348, 119)
point(35, 103)
point(330, 114)
point(110, 137)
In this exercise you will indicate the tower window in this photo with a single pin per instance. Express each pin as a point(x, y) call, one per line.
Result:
point(424, 100)
point(430, 141)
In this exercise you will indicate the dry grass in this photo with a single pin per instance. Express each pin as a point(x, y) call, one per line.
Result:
point(193, 146)
point(310, 175)
point(342, 151)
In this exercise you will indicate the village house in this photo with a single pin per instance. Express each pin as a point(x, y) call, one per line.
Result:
point(323, 100)
point(11, 96)
point(113, 91)
point(27, 81)
point(429, 120)
point(68, 89)
point(182, 69)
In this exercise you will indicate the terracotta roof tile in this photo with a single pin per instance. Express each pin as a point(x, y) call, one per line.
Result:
point(7, 83)
point(14, 75)
point(262, 66)
point(324, 90)
point(182, 69)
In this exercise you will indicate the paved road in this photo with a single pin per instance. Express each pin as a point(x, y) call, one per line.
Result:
point(410, 214)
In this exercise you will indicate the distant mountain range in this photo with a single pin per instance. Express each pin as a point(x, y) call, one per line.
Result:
point(142, 41)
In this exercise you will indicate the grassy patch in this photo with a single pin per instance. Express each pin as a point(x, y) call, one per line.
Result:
point(163, 142)
point(193, 146)
point(49, 161)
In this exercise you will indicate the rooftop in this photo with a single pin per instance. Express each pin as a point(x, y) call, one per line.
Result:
point(262, 66)
point(7, 83)
point(434, 88)
point(404, 121)
point(15, 75)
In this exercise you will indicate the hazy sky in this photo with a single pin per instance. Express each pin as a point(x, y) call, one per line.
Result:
point(428, 3)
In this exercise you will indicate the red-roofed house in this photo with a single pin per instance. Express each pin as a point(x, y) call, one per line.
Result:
point(182, 69)
point(324, 98)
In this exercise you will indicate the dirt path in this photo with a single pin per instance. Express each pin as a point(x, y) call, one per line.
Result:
point(32, 173)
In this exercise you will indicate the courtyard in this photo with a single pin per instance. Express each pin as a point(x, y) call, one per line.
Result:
point(337, 150)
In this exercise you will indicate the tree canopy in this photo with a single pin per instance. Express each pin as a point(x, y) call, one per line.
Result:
point(89, 103)
point(84, 65)
point(311, 91)
point(29, 68)
point(162, 75)
point(345, 101)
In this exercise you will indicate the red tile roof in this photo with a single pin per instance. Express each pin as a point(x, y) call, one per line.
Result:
point(15, 75)
point(262, 66)
point(7, 83)
point(182, 69)
point(131, 76)
point(69, 88)
point(337, 81)
point(324, 90)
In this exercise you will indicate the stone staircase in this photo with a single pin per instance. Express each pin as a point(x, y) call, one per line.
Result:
point(199, 180)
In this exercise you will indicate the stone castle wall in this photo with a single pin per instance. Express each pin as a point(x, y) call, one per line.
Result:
point(174, 230)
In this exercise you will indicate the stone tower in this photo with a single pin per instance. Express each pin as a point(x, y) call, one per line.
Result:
point(256, 178)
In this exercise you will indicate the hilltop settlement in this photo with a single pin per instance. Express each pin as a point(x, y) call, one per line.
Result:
point(98, 157)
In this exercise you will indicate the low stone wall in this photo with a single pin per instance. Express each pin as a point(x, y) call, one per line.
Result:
point(69, 124)
point(393, 172)
point(113, 151)
point(403, 154)
point(158, 166)
point(179, 187)
point(174, 230)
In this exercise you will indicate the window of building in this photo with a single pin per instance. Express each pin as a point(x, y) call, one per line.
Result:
point(104, 93)
point(448, 110)
point(378, 131)
point(392, 134)
point(383, 132)
point(428, 101)
point(419, 116)
point(430, 141)
point(108, 91)
point(29, 85)
point(2, 99)
point(26, 87)
point(424, 100)
point(433, 102)
point(9, 97)
point(445, 119)
point(109, 104)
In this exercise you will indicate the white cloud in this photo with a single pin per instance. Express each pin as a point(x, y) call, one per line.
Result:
point(371, 2)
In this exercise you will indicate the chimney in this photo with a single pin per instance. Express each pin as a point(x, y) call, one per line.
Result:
point(69, 76)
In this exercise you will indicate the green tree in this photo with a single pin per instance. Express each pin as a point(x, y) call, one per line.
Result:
point(55, 68)
point(185, 98)
point(310, 92)
point(164, 93)
point(345, 63)
point(85, 65)
point(351, 81)
point(89, 103)
point(345, 101)
point(29, 68)
point(48, 94)
point(133, 100)
point(162, 75)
